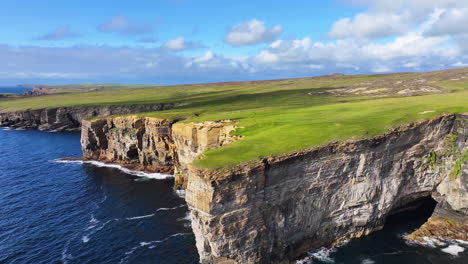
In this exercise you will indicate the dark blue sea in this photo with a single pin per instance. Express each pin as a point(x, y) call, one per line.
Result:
point(53, 212)
point(15, 90)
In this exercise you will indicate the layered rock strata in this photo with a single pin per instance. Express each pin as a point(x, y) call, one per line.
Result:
point(275, 209)
point(152, 144)
point(68, 118)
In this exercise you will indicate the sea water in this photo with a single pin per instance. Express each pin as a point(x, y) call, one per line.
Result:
point(56, 212)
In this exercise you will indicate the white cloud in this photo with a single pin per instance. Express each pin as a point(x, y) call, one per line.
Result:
point(180, 44)
point(123, 25)
point(252, 32)
point(376, 25)
point(450, 22)
point(59, 34)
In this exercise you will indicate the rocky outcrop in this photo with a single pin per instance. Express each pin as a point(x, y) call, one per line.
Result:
point(68, 118)
point(37, 91)
point(276, 209)
point(152, 144)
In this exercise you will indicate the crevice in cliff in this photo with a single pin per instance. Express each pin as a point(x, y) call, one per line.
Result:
point(411, 216)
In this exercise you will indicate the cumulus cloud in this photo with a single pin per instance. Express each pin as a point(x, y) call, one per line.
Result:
point(123, 25)
point(376, 25)
point(252, 32)
point(180, 44)
point(59, 33)
point(451, 21)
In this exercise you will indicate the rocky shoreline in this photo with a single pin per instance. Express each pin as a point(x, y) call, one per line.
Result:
point(68, 118)
point(275, 209)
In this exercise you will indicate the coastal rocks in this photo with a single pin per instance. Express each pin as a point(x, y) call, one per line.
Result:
point(68, 118)
point(276, 209)
point(152, 144)
point(141, 143)
point(192, 139)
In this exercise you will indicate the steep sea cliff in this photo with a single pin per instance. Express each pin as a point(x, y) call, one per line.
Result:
point(276, 209)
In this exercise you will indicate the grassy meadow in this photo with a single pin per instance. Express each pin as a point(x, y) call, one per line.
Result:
point(287, 115)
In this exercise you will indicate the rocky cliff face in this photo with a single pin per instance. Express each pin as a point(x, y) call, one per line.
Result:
point(68, 118)
point(152, 144)
point(276, 209)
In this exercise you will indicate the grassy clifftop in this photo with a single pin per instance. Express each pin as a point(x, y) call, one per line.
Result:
point(286, 115)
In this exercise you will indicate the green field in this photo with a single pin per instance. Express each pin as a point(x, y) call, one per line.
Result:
point(287, 115)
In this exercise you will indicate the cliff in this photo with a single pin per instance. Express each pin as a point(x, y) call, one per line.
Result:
point(152, 144)
point(68, 118)
point(275, 209)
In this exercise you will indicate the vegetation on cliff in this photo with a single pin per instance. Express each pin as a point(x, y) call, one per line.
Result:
point(286, 115)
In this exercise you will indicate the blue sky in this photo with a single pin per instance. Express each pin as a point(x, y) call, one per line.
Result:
point(183, 41)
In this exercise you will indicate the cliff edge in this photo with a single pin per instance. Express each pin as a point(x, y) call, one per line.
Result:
point(275, 209)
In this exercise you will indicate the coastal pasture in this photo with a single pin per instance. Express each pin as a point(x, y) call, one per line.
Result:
point(282, 116)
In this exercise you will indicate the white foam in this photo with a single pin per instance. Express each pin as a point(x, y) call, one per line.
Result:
point(149, 244)
point(187, 217)
point(367, 261)
point(427, 242)
point(93, 220)
point(85, 239)
point(156, 176)
point(140, 217)
point(6, 128)
point(453, 250)
point(180, 193)
point(171, 208)
point(462, 242)
point(323, 254)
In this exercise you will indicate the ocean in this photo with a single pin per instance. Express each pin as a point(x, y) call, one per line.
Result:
point(15, 90)
point(53, 212)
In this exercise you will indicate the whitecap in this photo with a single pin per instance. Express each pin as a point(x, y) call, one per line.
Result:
point(93, 220)
point(323, 254)
point(180, 193)
point(462, 242)
point(187, 217)
point(367, 261)
point(453, 250)
point(156, 176)
point(149, 244)
point(139, 217)
point(170, 208)
point(85, 239)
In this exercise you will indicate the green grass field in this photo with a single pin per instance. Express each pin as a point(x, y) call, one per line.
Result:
point(287, 115)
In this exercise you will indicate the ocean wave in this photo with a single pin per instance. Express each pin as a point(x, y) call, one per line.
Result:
point(149, 245)
point(170, 208)
point(322, 254)
point(187, 217)
point(85, 239)
point(453, 249)
point(139, 217)
point(180, 193)
point(367, 261)
point(155, 176)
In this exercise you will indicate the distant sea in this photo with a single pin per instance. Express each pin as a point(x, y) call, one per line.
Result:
point(15, 90)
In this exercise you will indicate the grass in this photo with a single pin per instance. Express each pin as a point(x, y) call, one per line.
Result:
point(285, 115)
